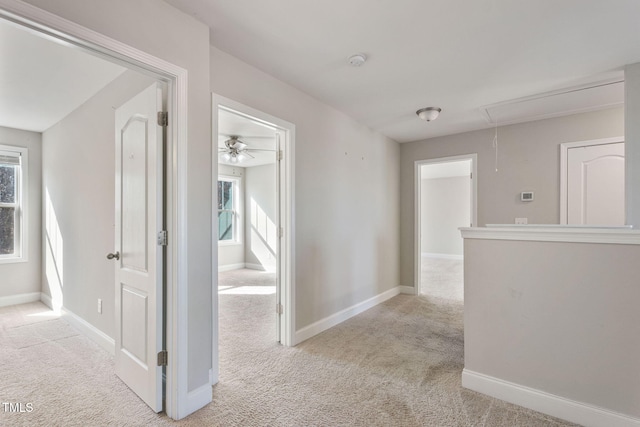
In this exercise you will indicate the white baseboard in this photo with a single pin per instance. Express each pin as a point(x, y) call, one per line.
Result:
point(19, 299)
point(196, 399)
point(56, 306)
point(260, 267)
point(102, 339)
point(46, 300)
point(550, 404)
point(241, 265)
point(442, 256)
point(410, 290)
point(339, 317)
point(229, 267)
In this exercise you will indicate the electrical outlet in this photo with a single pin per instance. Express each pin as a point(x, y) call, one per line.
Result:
point(521, 220)
point(99, 306)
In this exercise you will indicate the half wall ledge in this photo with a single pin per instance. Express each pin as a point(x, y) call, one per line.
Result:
point(625, 235)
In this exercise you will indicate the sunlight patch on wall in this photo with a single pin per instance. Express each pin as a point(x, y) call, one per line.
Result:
point(264, 236)
point(54, 254)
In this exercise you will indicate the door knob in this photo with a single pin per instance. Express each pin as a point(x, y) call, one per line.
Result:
point(112, 256)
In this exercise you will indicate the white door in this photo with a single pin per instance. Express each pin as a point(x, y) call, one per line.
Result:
point(138, 257)
point(595, 185)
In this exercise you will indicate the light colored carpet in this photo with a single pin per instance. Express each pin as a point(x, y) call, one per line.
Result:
point(68, 379)
point(442, 278)
point(397, 364)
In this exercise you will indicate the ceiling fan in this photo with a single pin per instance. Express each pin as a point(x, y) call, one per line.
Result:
point(235, 151)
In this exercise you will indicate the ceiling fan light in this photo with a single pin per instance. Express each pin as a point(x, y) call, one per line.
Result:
point(225, 157)
point(428, 114)
point(234, 159)
point(241, 157)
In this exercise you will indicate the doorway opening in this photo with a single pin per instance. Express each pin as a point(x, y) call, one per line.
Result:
point(129, 68)
point(254, 223)
point(445, 201)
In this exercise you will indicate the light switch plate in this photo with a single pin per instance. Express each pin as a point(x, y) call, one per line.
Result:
point(521, 221)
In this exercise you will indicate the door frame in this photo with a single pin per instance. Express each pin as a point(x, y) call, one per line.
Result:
point(564, 169)
point(286, 219)
point(178, 404)
point(473, 157)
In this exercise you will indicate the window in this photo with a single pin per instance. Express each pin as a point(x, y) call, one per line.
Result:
point(13, 165)
point(228, 210)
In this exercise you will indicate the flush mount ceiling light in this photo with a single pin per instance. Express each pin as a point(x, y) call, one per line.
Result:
point(357, 60)
point(428, 114)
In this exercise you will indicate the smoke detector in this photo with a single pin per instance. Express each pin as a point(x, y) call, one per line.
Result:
point(357, 60)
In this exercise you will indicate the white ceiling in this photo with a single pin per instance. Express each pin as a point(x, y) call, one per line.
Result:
point(256, 135)
point(459, 55)
point(42, 81)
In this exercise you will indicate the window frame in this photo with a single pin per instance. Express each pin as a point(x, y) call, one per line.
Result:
point(20, 232)
point(236, 238)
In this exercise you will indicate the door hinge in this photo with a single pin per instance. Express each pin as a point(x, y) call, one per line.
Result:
point(163, 118)
point(471, 175)
point(162, 238)
point(280, 155)
point(280, 232)
point(279, 309)
point(163, 358)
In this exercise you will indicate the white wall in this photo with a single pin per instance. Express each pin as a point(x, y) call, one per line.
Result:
point(24, 277)
point(346, 193)
point(632, 143)
point(79, 183)
point(157, 28)
point(528, 159)
point(232, 255)
point(260, 218)
point(445, 207)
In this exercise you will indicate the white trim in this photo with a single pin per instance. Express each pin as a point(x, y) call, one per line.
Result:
point(238, 210)
point(417, 244)
point(199, 397)
point(230, 267)
point(564, 158)
point(547, 403)
point(95, 334)
point(19, 299)
point(176, 264)
point(559, 233)
point(286, 219)
point(258, 267)
point(46, 300)
point(407, 290)
point(21, 243)
point(442, 256)
point(231, 243)
point(339, 317)
point(240, 265)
